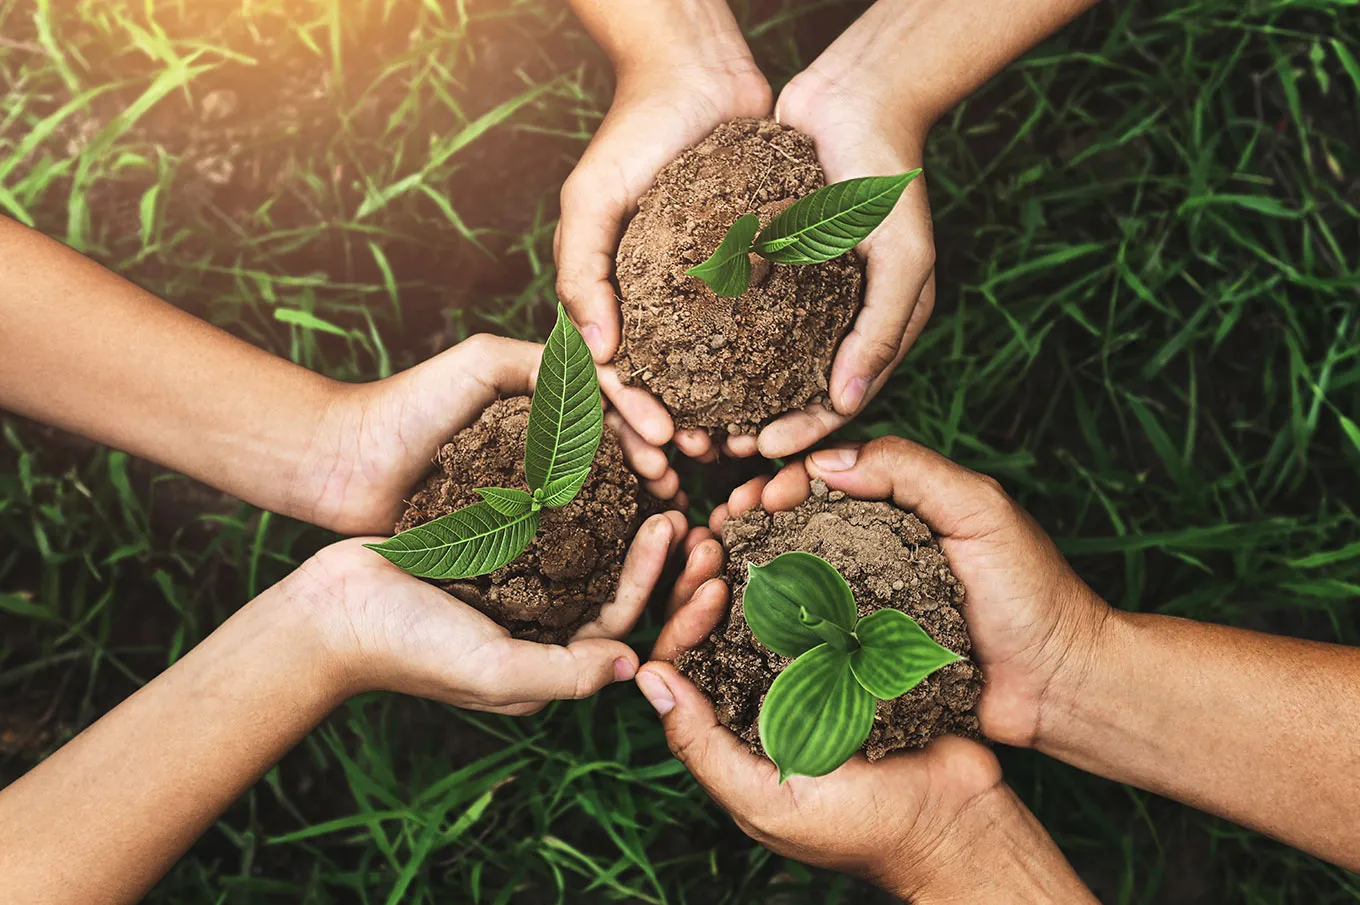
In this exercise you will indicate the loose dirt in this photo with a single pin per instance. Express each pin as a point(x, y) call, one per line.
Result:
point(572, 566)
point(730, 365)
point(890, 559)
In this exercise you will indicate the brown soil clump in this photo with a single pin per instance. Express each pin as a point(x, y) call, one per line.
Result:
point(571, 568)
point(730, 365)
point(890, 559)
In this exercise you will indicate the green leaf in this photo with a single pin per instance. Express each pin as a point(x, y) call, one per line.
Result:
point(816, 716)
point(778, 592)
point(566, 420)
point(895, 654)
point(507, 502)
point(832, 220)
point(474, 540)
point(728, 270)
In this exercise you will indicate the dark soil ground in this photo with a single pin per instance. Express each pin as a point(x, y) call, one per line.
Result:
point(890, 559)
point(730, 364)
point(572, 565)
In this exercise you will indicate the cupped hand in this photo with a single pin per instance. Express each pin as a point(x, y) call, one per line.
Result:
point(856, 133)
point(386, 630)
point(657, 113)
point(376, 440)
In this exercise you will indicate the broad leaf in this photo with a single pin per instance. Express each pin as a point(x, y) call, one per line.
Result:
point(507, 501)
point(564, 489)
point(566, 420)
point(728, 270)
point(832, 220)
point(474, 540)
point(816, 716)
point(895, 654)
point(777, 593)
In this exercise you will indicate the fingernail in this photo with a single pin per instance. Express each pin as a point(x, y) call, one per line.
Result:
point(834, 459)
point(594, 339)
point(853, 396)
point(656, 693)
point(623, 670)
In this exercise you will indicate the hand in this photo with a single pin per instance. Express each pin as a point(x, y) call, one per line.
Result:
point(376, 440)
point(657, 113)
point(1034, 624)
point(857, 133)
point(386, 630)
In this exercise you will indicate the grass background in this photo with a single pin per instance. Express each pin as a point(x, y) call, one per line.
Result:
point(1147, 329)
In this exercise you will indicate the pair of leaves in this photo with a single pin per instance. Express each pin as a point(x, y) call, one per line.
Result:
point(820, 709)
point(566, 424)
point(818, 227)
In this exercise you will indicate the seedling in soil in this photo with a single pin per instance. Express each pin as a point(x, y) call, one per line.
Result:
point(815, 228)
point(820, 709)
point(566, 423)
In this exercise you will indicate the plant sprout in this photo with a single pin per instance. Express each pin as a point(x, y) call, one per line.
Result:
point(820, 709)
point(815, 228)
point(566, 423)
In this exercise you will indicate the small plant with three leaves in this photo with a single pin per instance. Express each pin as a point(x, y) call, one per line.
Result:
point(820, 709)
point(815, 228)
point(566, 424)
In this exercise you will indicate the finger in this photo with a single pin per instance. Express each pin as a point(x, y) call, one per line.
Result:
point(693, 621)
point(647, 460)
point(696, 537)
point(746, 497)
point(738, 780)
point(901, 256)
point(696, 444)
point(525, 671)
point(952, 500)
point(740, 446)
point(475, 373)
point(786, 489)
point(702, 563)
point(794, 432)
point(583, 246)
point(667, 487)
point(643, 411)
point(641, 569)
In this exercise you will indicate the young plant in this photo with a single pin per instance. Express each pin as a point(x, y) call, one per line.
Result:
point(821, 707)
point(815, 228)
point(566, 423)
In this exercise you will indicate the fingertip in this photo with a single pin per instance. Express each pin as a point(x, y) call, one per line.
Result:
point(716, 519)
point(654, 688)
point(742, 446)
point(666, 487)
point(696, 537)
point(693, 443)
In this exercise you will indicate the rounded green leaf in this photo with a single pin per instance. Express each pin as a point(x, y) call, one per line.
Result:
point(728, 270)
point(895, 654)
point(832, 220)
point(507, 501)
point(566, 419)
point(472, 541)
point(816, 716)
point(777, 593)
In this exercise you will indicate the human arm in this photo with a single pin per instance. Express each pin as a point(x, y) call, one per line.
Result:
point(104, 817)
point(682, 68)
point(84, 350)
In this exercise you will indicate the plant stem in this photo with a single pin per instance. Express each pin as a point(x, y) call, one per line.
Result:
point(830, 632)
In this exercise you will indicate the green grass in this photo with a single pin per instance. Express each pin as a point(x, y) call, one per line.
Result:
point(1147, 328)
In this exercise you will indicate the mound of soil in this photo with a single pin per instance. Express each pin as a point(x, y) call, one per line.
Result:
point(571, 568)
point(890, 559)
point(730, 365)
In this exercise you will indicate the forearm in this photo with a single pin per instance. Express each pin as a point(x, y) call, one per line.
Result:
point(107, 815)
point(84, 350)
point(665, 34)
point(1260, 729)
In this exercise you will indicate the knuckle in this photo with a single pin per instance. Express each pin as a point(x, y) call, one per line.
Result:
point(481, 344)
point(880, 351)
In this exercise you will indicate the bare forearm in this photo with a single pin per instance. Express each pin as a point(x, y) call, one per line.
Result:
point(84, 350)
point(1263, 730)
point(102, 819)
point(664, 34)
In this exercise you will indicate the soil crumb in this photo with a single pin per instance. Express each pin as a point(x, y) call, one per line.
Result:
point(571, 568)
point(890, 559)
point(730, 365)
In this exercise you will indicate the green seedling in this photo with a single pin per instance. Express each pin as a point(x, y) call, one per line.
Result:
point(821, 707)
point(566, 423)
point(815, 228)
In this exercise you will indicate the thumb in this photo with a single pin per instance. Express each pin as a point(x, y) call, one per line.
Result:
point(528, 671)
point(587, 236)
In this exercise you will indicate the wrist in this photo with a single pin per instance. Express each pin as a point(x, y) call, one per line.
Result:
point(295, 614)
point(324, 475)
point(1087, 638)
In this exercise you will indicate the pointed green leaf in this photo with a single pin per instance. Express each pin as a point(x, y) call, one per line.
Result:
point(566, 420)
point(816, 716)
point(474, 540)
point(564, 489)
point(832, 220)
point(777, 593)
point(506, 501)
point(895, 654)
point(728, 270)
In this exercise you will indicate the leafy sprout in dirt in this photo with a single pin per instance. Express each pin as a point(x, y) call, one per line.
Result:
point(815, 228)
point(820, 709)
point(566, 424)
